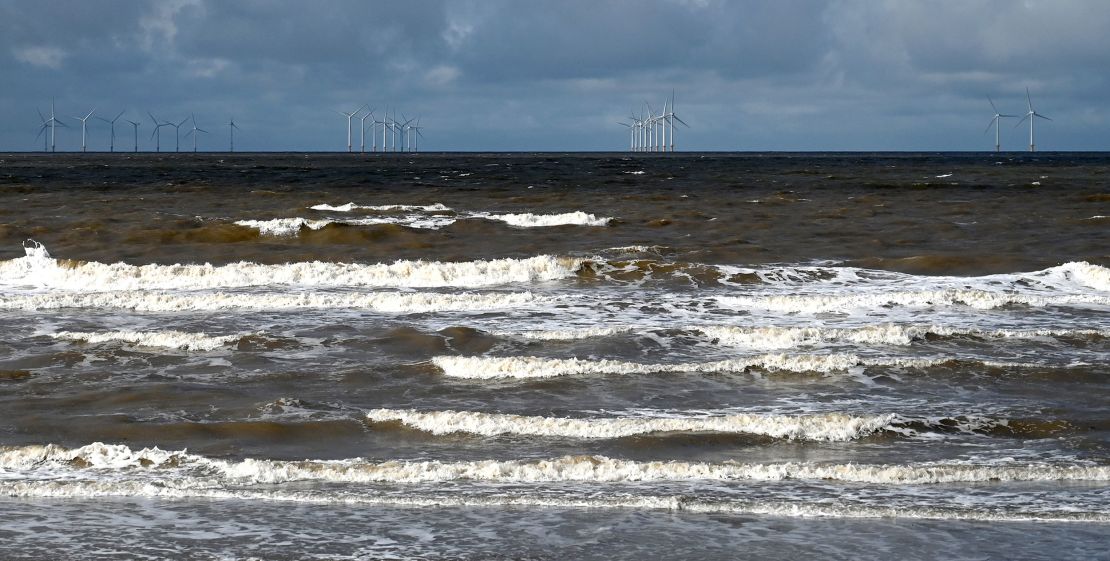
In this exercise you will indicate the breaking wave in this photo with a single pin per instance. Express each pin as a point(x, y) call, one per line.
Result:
point(827, 427)
point(27, 462)
point(386, 302)
point(292, 226)
point(437, 207)
point(529, 220)
point(162, 339)
point(978, 299)
point(39, 270)
point(484, 368)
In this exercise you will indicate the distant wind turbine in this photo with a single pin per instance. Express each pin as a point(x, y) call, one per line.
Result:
point(83, 120)
point(350, 116)
point(1032, 115)
point(194, 131)
point(157, 134)
point(362, 134)
point(177, 134)
point(670, 116)
point(112, 146)
point(996, 122)
point(135, 124)
point(231, 126)
point(54, 122)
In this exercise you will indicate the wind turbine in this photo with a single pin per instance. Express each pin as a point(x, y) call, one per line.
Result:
point(83, 120)
point(416, 137)
point(350, 116)
point(157, 134)
point(135, 124)
point(362, 134)
point(194, 131)
point(231, 126)
point(112, 146)
point(1032, 116)
point(669, 115)
point(995, 122)
point(177, 134)
point(405, 130)
point(54, 122)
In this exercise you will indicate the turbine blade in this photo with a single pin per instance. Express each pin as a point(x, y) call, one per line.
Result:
point(1021, 121)
point(680, 120)
point(118, 116)
point(1041, 116)
point(41, 117)
point(991, 124)
point(1028, 100)
point(992, 104)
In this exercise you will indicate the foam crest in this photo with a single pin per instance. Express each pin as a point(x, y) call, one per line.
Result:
point(827, 427)
point(26, 461)
point(385, 302)
point(41, 271)
point(437, 207)
point(163, 339)
point(1086, 274)
point(485, 368)
point(978, 299)
point(292, 226)
point(529, 220)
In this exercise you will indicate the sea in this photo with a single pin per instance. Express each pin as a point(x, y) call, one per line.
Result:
point(555, 356)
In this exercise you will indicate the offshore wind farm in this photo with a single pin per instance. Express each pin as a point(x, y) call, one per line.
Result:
point(502, 280)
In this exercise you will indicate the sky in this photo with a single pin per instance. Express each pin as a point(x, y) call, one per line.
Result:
point(526, 75)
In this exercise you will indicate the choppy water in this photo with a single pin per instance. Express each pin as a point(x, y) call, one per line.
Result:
point(554, 356)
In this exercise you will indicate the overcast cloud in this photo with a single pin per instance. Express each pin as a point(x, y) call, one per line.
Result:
point(513, 75)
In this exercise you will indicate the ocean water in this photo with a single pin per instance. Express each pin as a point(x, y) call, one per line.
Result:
point(554, 356)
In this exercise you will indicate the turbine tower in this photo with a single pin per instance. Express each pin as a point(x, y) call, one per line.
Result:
point(112, 146)
point(231, 126)
point(350, 116)
point(670, 116)
point(135, 124)
point(157, 134)
point(1032, 115)
point(996, 122)
point(194, 131)
point(177, 134)
point(54, 122)
point(83, 120)
point(362, 134)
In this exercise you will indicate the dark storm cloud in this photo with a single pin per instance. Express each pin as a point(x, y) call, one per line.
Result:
point(503, 74)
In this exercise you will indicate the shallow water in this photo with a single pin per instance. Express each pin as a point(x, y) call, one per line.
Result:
point(554, 355)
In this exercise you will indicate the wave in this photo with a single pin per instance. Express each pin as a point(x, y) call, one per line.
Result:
point(978, 299)
point(437, 207)
point(824, 427)
point(38, 270)
point(385, 302)
point(286, 227)
point(95, 459)
point(772, 338)
point(484, 368)
point(163, 339)
point(529, 220)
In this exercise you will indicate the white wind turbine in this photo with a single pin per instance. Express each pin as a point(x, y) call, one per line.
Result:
point(416, 137)
point(112, 146)
point(135, 124)
point(350, 117)
point(231, 126)
point(157, 134)
point(1032, 115)
point(362, 135)
point(83, 120)
point(996, 122)
point(53, 122)
point(670, 116)
point(177, 134)
point(194, 131)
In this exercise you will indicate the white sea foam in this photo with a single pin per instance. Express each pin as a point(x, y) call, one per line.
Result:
point(827, 427)
point(539, 367)
point(162, 339)
point(978, 299)
point(385, 302)
point(292, 226)
point(39, 270)
point(283, 226)
point(437, 207)
point(29, 462)
point(529, 220)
